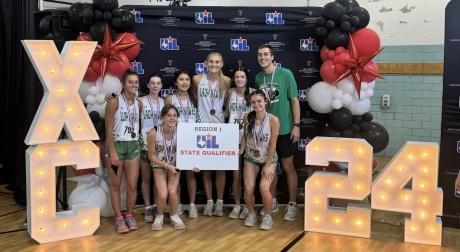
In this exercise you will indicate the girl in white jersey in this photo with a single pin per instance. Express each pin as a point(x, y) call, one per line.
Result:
point(162, 144)
point(211, 91)
point(122, 139)
point(238, 104)
point(150, 117)
point(185, 101)
point(259, 140)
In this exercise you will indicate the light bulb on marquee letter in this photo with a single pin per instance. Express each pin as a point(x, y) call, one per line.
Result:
point(61, 76)
point(44, 223)
point(60, 88)
point(319, 217)
point(423, 201)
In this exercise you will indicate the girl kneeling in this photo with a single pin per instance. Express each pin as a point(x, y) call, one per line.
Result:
point(161, 144)
point(260, 134)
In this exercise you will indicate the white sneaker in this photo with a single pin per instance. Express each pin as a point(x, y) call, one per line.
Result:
point(179, 209)
point(158, 223)
point(219, 208)
point(291, 212)
point(244, 213)
point(250, 220)
point(267, 222)
point(177, 222)
point(207, 211)
point(275, 208)
point(235, 212)
point(192, 211)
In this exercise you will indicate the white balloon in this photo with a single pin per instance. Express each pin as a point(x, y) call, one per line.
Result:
point(363, 94)
point(110, 84)
point(359, 107)
point(88, 191)
point(94, 90)
point(84, 88)
point(320, 97)
point(347, 86)
point(369, 93)
point(338, 94)
point(100, 98)
point(337, 104)
point(346, 99)
point(370, 85)
point(90, 99)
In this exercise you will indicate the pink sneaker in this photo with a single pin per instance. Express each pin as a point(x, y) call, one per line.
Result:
point(121, 227)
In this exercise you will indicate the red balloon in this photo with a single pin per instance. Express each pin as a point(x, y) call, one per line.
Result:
point(366, 42)
point(344, 57)
point(85, 36)
point(132, 52)
point(331, 54)
point(327, 71)
point(324, 52)
point(371, 66)
point(117, 68)
point(340, 69)
point(340, 50)
point(94, 70)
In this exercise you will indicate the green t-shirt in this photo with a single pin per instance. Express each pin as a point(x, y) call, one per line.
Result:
point(282, 90)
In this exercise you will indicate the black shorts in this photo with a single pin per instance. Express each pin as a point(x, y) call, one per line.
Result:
point(284, 146)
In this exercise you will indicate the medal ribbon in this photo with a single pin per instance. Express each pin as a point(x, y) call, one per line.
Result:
point(132, 115)
point(168, 149)
point(157, 115)
point(183, 108)
point(258, 137)
point(269, 92)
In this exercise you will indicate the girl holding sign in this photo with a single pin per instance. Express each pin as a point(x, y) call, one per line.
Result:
point(238, 104)
point(150, 117)
point(186, 102)
point(259, 141)
point(162, 143)
point(122, 135)
point(212, 89)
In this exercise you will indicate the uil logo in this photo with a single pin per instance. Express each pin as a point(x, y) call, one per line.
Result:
point(137, 67)
point(274, 18)
point(303, 94)
point(137, 16)
point(309, 45)
point(169, 44)
point(200, 68)
point(167, 91)
point(239, 45)
point(204, 17)
point(207, 141)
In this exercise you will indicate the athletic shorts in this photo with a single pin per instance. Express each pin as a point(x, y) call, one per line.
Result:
point(126, 150)
point(144, 156)
point(284, 146)
point(251, 160)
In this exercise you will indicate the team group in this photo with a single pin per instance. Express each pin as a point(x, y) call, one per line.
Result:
point(144, 129)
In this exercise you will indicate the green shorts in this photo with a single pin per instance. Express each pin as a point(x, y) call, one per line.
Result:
point(144, 156)
point(126, 150)
point(249, 159)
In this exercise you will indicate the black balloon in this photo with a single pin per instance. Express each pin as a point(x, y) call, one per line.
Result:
point(321, 31)
point(348, 133)
point(365, 126)
point(97, 31)
point(336, 38)
point(87, 13)
point(345, 27)
point(75, 15)
point(116, 22)
point(368, 117)
point(357, 119)
point(330, 24)
point(105, 4)
point(127, 21)
point(355, 128)
point(357, 135)
point(116, 12)
point(94, 116)
point(334, 133)
point(377, 136)
point(363, 16)
point(340, 119)
point(354, 20)
point(100, 128)
point(97, 15)
point(344, 18)
point(107, 16)
point(45, 25)
point(319, 22)
point(333, 11)
point(348, 4)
